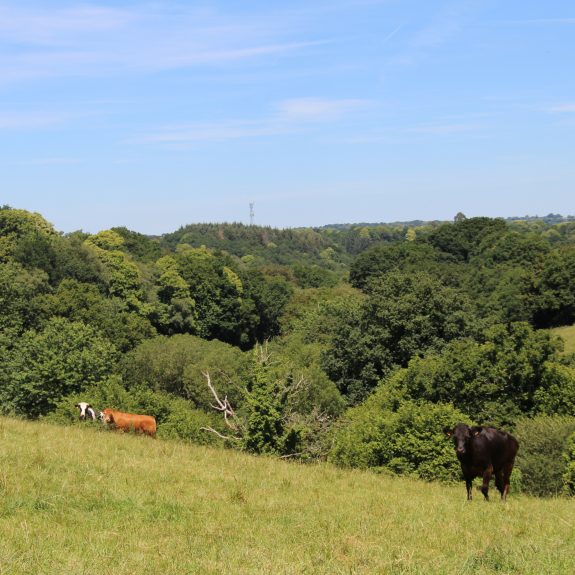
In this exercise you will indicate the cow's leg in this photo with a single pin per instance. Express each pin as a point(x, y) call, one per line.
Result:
point(468, 485)
point(506, 480)
point(486, 478)
point(499, 482)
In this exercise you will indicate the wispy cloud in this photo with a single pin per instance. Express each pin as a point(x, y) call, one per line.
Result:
point(541, 22)
point(316, 109)
point(440, 29)
point(55, 161)
point(41, 26)
point(568, 108)
point(289, 116)
point(447, 128)
point(90, 40)
point(21, 121)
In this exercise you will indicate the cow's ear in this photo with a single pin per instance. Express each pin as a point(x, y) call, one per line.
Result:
point(476, 430)
point(77, 405)
point(448, 431)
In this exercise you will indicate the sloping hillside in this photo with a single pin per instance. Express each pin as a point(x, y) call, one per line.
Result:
point(80, 500)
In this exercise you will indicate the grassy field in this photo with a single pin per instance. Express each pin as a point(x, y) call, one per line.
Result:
point(82, 501)
point(568, 334)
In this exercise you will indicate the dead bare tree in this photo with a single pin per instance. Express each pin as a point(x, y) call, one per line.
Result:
point(225, 407)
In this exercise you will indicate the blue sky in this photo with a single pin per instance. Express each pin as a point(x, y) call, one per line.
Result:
point(158, 114)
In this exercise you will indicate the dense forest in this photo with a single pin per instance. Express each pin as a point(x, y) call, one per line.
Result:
point(357, 344)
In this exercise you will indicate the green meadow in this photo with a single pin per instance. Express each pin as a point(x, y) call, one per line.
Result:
point(81, 500)
point(568, 334)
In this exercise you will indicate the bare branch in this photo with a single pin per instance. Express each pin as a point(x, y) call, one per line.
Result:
point(222, 406)
point(212, 430)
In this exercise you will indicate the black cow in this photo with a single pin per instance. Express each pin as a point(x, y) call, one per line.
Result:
point(483, 452)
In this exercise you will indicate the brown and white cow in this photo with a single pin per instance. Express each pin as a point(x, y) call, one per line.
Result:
point(129, 421)
point(86, 410)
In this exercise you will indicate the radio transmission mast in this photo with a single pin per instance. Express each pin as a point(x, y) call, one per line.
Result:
point(252, 213)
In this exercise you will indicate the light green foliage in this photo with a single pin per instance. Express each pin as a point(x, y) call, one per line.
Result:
point(176, 365)
point(542, 444)
point(16, 226)
point(107, 240)
point(122, 275)
point(176, 310)
point(234, 279)
point(395, 435)
point(44, 366)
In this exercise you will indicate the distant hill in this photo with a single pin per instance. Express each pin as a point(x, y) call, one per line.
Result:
point(548, 219)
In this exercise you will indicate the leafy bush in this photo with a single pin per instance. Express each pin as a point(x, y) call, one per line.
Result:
point(404, 437)
point(44, 366)
point(542, 443)
point(176, 417)
point(493, 381)
point(569, 474)
point(557, 392)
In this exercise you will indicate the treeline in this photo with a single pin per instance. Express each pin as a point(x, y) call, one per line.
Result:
point(357, 344)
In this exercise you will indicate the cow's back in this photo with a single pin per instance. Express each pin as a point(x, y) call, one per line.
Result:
point(499, 447)
point(134, 422)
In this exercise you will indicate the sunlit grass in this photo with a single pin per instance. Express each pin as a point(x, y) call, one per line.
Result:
point(568, 335)
point(77, 500)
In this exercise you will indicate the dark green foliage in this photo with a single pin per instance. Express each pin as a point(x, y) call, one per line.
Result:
point(44, 366)
point(554, 301)
point(404, 315)
point(463, 238)
point(270, 296)
point(556, 395)
point(542, 444)
point(314, 277)
point(265, 400)
point(384, 258)
point(569, 473)
point(393, 434)
point(493, 380)
point(18, 287)
point(84, 302)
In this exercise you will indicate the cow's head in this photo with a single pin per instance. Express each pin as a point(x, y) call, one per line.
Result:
point(86, 410)
point(462, 436)
point(106, 416)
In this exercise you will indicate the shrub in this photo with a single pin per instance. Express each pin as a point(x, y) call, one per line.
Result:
point(404, 437)
point(176, 417)
point(569, 474)
point(542, 443)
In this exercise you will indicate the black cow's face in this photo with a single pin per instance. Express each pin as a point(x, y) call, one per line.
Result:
point(462, 435)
